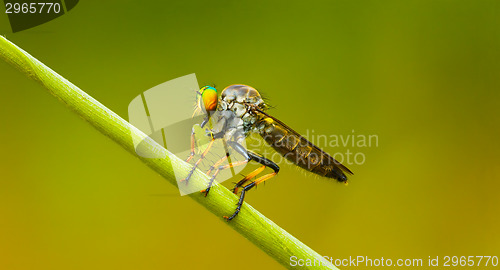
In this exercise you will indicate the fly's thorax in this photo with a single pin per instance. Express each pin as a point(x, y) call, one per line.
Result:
point(240, 99)
point(229, 124)
point(241, 93)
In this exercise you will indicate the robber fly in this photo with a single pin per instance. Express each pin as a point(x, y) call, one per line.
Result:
point(239, 111)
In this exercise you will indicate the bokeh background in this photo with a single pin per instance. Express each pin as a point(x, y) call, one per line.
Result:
point(422, 75)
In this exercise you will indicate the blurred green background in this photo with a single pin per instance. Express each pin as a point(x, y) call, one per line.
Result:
point(422, 75)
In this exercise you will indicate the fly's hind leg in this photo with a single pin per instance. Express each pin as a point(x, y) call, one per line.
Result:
point(265, 163)
point(260, 159)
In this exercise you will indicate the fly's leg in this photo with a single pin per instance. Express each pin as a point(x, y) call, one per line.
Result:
point(240, 149)
point(260, 159)
point(220, 168)
point(248, 177)
point(247, 188)
point(266, 163)
point(216, 164)
point(193, 140)
point(191, 155)
point(213, 137)
point(199, 161)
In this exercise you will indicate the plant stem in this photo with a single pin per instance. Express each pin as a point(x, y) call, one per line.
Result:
point(261, 231)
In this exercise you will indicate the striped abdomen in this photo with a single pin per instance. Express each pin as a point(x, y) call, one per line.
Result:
point(299, 150)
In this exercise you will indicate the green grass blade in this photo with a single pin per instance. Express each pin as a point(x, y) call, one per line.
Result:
point(261, 231)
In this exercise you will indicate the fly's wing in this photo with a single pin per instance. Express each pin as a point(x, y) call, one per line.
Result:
point(299, 150)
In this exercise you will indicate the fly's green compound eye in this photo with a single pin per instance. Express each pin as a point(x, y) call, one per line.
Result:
point(209, 98)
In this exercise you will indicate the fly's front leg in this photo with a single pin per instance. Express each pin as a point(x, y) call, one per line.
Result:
point(203, 155)
point(198, 162)
point(193, 140)
point(213, 137)
point(191, 155)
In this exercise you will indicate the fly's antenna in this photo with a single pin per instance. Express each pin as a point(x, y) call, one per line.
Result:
point(211, 84)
